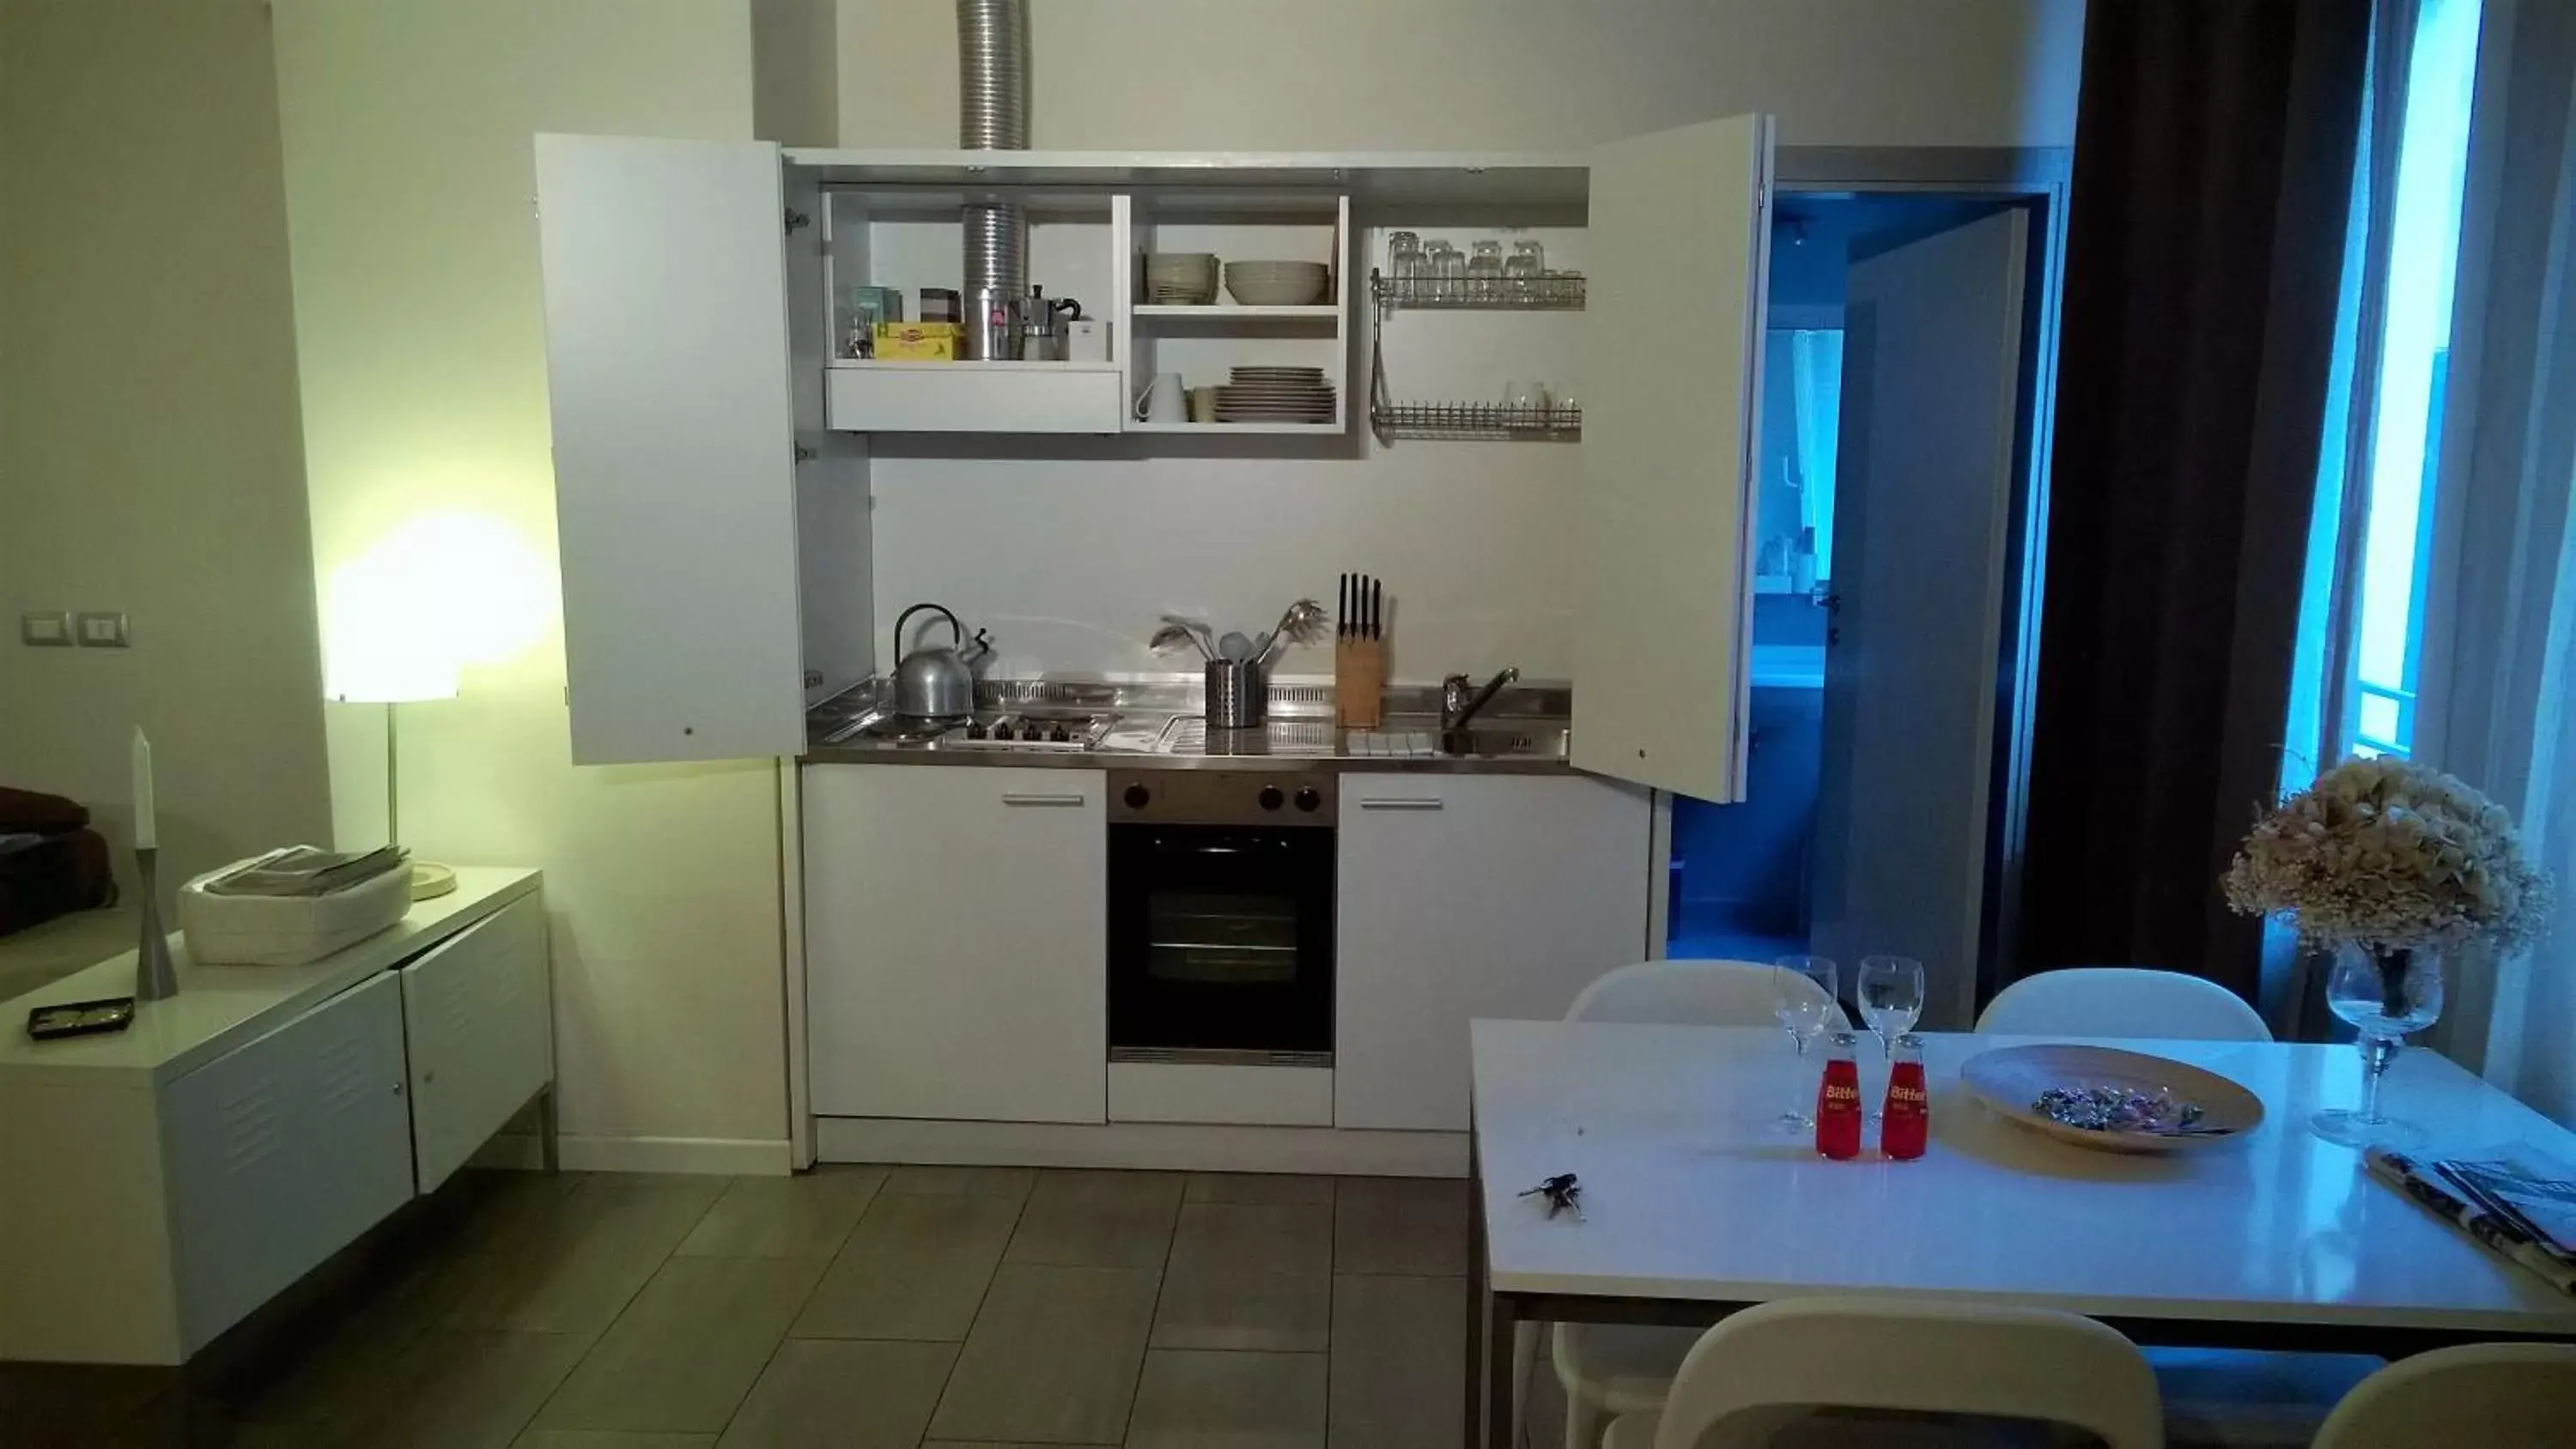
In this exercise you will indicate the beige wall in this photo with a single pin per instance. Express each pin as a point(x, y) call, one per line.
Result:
point(149, 451)
point(1205, 75)
point(409, 180)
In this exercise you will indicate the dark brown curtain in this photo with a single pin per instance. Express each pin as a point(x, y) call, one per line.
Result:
point(2212, 181)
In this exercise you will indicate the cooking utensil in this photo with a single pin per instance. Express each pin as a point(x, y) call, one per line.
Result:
point(1377, 610)
point(1172, 637)
point(937, 682)
point(1303, 623)
point(2011, 1080)
point(1234, 646)
point(1200, 633)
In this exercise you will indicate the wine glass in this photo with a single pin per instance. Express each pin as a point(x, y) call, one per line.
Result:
point(1890, 991)
point(2386, 996)
point(1803, 1001)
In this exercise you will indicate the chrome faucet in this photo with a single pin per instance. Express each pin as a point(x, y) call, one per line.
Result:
point(1457, 706)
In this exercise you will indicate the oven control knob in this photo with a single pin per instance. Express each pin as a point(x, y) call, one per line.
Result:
point(1137, 796)
point(975, 730)
point(1271, 799)
point(1059, 736)
point(1002, 731)
point(1309, 799)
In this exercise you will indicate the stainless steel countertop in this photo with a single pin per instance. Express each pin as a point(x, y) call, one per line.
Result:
point(1523, 732)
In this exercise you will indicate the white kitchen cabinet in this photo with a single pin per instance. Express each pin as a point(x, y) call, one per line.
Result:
point(674, 446)
point(956, 941)
point(1471, 895)
point(478, 1025)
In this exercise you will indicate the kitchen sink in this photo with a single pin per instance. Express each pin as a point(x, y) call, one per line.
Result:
point(1496, 739)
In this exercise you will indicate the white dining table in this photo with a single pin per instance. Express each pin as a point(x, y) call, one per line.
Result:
point(1694, 1204)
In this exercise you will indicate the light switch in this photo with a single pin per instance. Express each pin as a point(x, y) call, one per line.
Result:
point(46, 630)
point(101, 631)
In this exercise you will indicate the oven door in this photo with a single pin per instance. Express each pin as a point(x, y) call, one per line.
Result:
point(1220, 939)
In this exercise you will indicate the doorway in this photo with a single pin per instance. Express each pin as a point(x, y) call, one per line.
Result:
point(1897, 432)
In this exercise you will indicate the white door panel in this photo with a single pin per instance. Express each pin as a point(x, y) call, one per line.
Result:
point(1465, 896)
point(1930, 398)
point(1679, 236)
point(956, 942)
point(282, 1152)
point(480, 1035)
point(675, 494)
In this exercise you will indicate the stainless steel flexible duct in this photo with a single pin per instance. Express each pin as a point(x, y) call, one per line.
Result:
point(993, 115)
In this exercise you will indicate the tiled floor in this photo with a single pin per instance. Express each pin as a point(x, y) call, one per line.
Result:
point(854, 1306)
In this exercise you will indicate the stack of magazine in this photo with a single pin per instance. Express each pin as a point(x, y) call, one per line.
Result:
point(302, 870)
point(2519, 1203)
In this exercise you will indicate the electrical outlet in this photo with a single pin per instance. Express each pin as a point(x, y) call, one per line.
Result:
point(101, 630)
point(46, 630)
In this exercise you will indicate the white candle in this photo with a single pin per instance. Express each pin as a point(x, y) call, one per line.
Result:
point(146, 834)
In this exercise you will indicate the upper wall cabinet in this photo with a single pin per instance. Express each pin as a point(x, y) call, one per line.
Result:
point(674, 430)
point(1679, 244)
point(705, 413)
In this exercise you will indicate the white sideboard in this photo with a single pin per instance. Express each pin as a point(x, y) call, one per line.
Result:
point(158, 1184)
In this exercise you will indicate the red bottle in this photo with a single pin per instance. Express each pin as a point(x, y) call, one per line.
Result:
point(1838, 1101)
point(1907, 1123)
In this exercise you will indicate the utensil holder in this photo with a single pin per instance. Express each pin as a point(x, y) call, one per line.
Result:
point(1359, 683)
point(1238, 694)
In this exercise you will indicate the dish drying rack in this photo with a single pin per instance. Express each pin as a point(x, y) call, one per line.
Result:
point(1546, 292)
point(1465, 421)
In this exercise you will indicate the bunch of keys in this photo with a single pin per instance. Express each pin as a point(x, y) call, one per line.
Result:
point(1563, 1194)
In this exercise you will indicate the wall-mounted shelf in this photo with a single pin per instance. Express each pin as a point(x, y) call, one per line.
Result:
point(1465, 420)
point(1237, 430)
point(1547, 292)
point(1219, 313)
point(963, 368)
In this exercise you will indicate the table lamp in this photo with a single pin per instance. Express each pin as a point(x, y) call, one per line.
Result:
point(393, 677)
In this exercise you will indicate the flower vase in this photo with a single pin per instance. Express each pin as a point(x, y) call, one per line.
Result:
point(2387, 994)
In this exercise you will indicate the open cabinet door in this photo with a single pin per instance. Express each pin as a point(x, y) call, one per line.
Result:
point(1680, 241)
point(1930, 422)
point(675, 489)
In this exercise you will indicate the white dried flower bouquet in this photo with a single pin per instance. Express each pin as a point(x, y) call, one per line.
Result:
point(2391, 857)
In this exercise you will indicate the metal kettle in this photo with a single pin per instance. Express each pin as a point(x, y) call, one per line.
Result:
point(937, 682)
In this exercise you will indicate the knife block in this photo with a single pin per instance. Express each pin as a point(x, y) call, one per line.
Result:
point(1359, 683)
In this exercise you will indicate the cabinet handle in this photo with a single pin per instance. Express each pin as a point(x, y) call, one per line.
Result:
point(1071, 800)
point(1403, 802)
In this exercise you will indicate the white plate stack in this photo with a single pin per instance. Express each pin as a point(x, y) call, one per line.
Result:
point(1180, 279)
point(1277, 284)
point(1276, 395)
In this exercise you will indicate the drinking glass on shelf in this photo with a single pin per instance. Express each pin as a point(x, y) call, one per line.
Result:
point(1485, 271)
point(1522, 268)
point(1404, 256)
point(1447, 268)
point(1803, 1001)
point(1890, 992)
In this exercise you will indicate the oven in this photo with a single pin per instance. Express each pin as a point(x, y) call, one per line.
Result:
point(1221, 916)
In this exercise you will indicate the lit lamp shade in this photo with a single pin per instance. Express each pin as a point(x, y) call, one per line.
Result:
point(390, 679)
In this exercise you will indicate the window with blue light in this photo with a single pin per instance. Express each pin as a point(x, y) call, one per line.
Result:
point(2405, 429)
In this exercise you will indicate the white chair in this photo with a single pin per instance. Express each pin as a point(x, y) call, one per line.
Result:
point(2240, 1398)
point(2477, 1396)
point(2121, 1001)
point(1779, 1364)
point(1616, 1369)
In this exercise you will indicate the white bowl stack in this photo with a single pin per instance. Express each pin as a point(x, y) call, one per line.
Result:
point(1180, 279)
point(1277, 284)
point(1275, 395)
